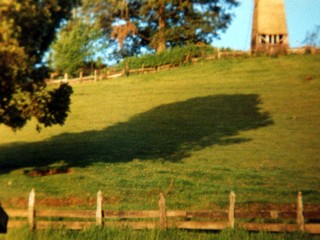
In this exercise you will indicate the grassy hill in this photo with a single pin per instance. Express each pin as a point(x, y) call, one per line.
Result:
point(247, 125)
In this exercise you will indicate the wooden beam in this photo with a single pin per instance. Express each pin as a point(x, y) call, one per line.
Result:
point(269, 227)
point(66, 213)
point(110, 214)
point(17, 213)
point(300, 218)
point(312, 228)
point(162, 212)
point(199, 225)
point(232, 208)
point(31, 211)
point(99, 212)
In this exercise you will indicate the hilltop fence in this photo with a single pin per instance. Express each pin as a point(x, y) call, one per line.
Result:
point(283, 220)
point(115, 73)
point(125, 72)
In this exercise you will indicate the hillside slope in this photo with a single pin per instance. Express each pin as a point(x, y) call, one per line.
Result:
point(248, 125)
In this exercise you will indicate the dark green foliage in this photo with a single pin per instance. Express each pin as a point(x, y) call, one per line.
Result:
point(174, 56)
point(27, 28)
point(57, 106)
point(157, 25)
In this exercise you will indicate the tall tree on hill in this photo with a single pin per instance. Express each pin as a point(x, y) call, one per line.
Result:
point(158, 24)
point(27, 28)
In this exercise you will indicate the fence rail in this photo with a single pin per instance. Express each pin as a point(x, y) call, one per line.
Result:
point(122, 72)
point(277, 220)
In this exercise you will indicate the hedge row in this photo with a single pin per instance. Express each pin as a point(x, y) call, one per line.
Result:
point(173, 56)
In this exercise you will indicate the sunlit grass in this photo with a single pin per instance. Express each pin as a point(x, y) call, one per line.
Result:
point(156, 234)
point(247, 125)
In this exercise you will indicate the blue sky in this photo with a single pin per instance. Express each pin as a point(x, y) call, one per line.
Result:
point(302, 17)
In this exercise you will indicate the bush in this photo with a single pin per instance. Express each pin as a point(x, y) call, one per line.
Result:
point(175, 56)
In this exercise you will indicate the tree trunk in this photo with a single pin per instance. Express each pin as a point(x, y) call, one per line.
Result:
point(161, 39)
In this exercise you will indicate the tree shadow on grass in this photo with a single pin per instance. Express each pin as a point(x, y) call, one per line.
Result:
point(169, 132)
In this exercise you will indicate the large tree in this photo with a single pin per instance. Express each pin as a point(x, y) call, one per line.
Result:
point(157, 24)
point(27, 28)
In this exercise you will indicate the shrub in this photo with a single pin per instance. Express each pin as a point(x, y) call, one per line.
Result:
point(174, 56)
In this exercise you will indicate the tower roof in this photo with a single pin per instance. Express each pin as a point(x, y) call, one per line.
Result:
point(271, 17)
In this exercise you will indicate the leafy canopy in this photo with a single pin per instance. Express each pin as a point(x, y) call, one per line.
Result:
point(74, 47)
point(158, 24)
point(27, 28)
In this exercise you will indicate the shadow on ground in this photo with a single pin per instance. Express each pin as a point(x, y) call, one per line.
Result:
point(169, 132)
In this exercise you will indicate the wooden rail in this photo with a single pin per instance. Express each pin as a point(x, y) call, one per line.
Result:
point(142, 70)
point(295, 219)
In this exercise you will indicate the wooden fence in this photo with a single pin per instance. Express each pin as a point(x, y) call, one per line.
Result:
point(122, 72)
point(277, 220)
point(109, 75)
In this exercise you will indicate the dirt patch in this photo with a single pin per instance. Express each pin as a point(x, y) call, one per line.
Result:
point(310, 77)
point(39, 172)
point(90, 202)
point(66, 202)
point(59, 202)
point(71, 201)
point(277, 207)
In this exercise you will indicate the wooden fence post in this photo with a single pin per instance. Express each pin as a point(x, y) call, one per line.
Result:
point(219, 54)
point(95, 75)
point(66, 77)
point(81, 75)
point(300, 218)
point(31, 211)
point(99, 209)
point(162, 212)
point(232, 208)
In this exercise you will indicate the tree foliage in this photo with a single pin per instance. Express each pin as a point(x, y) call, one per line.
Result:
point(74, 47)
point(160, 23)
point(27, 28)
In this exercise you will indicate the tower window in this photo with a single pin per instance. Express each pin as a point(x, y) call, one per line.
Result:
point(262, 39)
point(280, 38)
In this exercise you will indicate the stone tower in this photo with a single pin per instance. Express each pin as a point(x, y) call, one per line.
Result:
point(269, 27)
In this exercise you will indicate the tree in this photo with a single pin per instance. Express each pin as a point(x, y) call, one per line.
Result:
point(313, 38)
point(27, 29)
point(158, 24)
point(74, 47)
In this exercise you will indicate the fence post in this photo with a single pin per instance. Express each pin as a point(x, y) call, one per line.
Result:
point(300, 218)
point(95, 75)
point(127, 69)
point(219, 54)
point(232, 208)
point(31, 211)
point(162, 211)
point(81, 75)
point(99, 209)
point(66, 77)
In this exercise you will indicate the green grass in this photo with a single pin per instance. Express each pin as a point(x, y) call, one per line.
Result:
point(126, 234)
point(247, 125)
